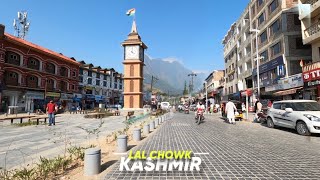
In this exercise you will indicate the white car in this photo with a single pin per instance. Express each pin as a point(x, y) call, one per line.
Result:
point(165, 105)
point(301, 115)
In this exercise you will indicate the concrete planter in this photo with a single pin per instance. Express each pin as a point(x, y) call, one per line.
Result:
point(137, 134)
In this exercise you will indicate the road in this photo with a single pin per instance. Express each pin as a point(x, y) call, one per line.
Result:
point(242, 151)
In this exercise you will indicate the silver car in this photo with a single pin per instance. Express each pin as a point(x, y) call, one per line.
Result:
point(301, 115)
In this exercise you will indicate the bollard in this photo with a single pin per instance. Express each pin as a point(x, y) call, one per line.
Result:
point(92, 161)
point(152, 126)
point(137, 134)
point(156, 122)
point(146, 129)
point(122, 143)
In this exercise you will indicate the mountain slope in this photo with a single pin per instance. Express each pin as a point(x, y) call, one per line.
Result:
point(171, 75)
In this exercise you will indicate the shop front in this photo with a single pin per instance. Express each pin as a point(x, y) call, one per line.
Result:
point(12, 98)
point(52, 96)
point(66, 101)
point(287, 88)
point(311, 79)
point(89, 101)
point(99, 100)
point(34, 101)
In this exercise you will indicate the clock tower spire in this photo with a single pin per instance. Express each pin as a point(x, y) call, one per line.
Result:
point(133, 69)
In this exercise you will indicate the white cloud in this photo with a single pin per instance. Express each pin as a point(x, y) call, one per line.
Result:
point(172, 59)
point(201, 71)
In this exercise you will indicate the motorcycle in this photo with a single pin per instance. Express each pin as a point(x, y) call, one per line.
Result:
point(186, 110)
point(199, 116)
point(262, 117)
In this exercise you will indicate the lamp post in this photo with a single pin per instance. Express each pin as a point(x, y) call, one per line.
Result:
point(206, 84)
point(257, 59)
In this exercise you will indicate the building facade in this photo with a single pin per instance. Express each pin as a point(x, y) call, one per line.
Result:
point(277, 27)
point(98, 85)
point(30, 75)
point(309, 16)
point(213, 84)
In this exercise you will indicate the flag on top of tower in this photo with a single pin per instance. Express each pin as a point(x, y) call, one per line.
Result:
point(131, 12)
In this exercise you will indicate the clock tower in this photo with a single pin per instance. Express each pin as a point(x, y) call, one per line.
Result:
point(133, 69)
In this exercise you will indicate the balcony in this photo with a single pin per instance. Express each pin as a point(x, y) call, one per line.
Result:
point(313, 11)
point(312, 33)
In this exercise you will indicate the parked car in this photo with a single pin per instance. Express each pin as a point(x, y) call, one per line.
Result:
point(165, 105)
point(301, 115)
point(238, 104)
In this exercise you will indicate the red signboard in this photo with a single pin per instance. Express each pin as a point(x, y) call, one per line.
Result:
point(311, 75)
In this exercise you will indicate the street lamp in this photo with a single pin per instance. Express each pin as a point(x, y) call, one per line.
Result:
point(206, 84)
point(257, 59)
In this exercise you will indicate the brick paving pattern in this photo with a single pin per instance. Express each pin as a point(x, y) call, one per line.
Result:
point(242, 151)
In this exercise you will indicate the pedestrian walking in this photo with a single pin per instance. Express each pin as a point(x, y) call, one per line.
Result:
point(211, 108)
point(229, 110)
point(51, 109)
point(257, 110)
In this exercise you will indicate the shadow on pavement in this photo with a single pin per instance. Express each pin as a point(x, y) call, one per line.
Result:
point(293, 131)
point(106, 165)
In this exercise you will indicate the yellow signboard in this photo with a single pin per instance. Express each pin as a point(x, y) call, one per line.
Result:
point(89, 88)
point(53, 94)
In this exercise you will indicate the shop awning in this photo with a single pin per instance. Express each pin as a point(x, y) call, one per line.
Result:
point(287, 92)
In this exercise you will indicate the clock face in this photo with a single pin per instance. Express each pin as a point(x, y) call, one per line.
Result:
point(132, 52)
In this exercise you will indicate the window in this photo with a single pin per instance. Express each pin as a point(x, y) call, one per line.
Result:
point(275, 27)
point(131, 70)
point(89, 81)
point(81, 71)
point(115, 85)
point(98, 82)
point(296, 19)
point(277, 105)
point(276, 49)
point(90, 73)
point(260, 2)
point(273, 6)
point(105, 77)
point(263, 37)
point(81, 79)
point(265, 55)
point(64, 72)
point(98, 75)
point(105, 83)
point(13, 58)
point(261, 19)
point(73, 73)
point(33, 64)
point(73, 87)
point(50, 68)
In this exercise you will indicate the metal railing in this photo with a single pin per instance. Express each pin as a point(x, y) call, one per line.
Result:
point(313, 29)
point(310, 2)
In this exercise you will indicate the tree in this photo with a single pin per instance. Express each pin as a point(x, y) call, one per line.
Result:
point(185, 90)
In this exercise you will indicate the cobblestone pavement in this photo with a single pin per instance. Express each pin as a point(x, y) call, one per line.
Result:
point(24, 145)
point(242, 151)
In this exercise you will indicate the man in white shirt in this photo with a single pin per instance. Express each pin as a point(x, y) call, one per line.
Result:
point(229, 110)
point(200, 106)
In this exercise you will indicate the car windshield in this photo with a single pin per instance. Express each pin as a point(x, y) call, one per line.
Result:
point(306, 106)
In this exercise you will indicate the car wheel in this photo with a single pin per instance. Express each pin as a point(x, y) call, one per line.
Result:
point(270, 123)
point(302, 129)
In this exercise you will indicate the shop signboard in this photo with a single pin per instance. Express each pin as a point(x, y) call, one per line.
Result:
point(273, 64)
point(34, 95)
point(77, 96)
point(286, 83)
point(65, 96)
point(52, 94)
point(90, 97)
point(311, 72)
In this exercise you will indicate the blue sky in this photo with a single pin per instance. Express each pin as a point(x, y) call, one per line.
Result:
point(188, 31)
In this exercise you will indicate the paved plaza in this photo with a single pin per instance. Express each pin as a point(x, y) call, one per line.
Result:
point(242, 151)
point(24, 145)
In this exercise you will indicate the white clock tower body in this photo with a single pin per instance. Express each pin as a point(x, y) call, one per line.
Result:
point(133, 70)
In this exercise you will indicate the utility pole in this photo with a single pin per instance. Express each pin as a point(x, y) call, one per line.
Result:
point(191, 85)
point(152, 81)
